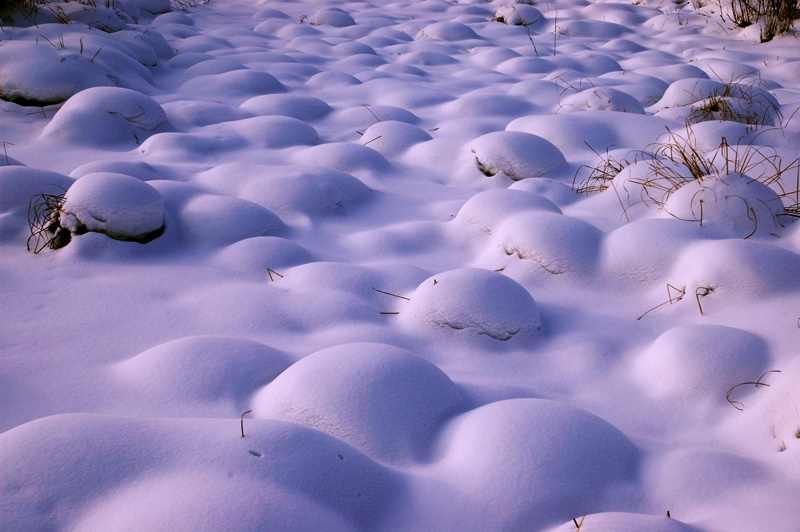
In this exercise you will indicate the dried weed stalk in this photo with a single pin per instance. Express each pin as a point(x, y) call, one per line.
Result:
point(43, 220)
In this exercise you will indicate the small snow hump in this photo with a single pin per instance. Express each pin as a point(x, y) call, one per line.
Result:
point(117, 205)
point(518, 155)
point(474, 302)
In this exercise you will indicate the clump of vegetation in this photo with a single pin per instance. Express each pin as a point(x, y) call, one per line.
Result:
point(677, 161)
point(737, 102)
point(602, 173)
point(9, 9)
point(44, 212)
point(774, 16)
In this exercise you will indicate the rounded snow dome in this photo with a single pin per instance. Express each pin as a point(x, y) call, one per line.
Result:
point(695, 362)
point(383, 400)
point(120, 206)
point(732, 205)
point(552, 242)
point(487, 209)
point(474, 302)
point(518, 155)
point(106, 116)
point(203, 368)
point(535, 461)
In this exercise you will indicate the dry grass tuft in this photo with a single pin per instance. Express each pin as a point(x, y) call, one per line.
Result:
point(738, 101)
point(43, 220)
point(678, 161)
point(775, 16)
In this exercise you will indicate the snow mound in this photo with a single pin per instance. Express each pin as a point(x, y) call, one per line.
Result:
point(360, 117)
point(552, 242)
point(287, 190)
point(272, 132)
point(116, 205)
point(106, 117)
point(601, 99)
point(556, 460)
point(669, 73)
point(343, 156)
point(392, 137)
point(687, 91)
point(698, 364)
point(57, 75)
point(645, 250)
point(138, 169)
point(487, 209)
point(473, 302)
point(332, 17)
point(517, 155)
point(713, 269)
point(202, 368)
point(97, 17)
point(730, 205)
point(212, 66)
point(304, 108)
point(253, 256)
point(447, 31)
point(213, 220)
point(695, 479)
point(185, 115)
point(234, 87)
point(384, 401)
point(518, 14)
point(626, 522)
point(63, 457)
point(698, 100)
point(572, 132)
point(776, 410)
point(480, 105)
point(215, 504)
point(558, 192)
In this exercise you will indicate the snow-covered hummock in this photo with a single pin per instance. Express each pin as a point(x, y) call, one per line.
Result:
point(474, 302)
point(106, 116)
point(330, 269)
point(117, 205)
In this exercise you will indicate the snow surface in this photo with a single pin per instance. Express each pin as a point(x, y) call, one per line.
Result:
point(398, 266)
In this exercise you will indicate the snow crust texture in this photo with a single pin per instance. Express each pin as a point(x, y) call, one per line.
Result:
point(398, 266)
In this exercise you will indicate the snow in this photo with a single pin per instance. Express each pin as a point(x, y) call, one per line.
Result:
point(117, 205)
point(477, 302)
point(398, 266)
